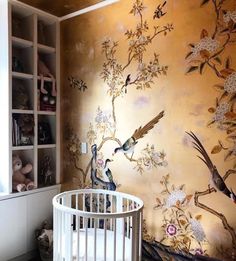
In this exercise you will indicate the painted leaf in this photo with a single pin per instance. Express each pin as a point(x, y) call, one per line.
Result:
point(191, 69)
point(224, 94)
point(186, 240)
point(198, 217)
point(217, 59)
point(204, 33)
point(186, 57)
point(201, 67)
point(205, 54)
point(228, 154)
point(211, 110)
point(182, 222)
point(204, 2)
point(189, 197)
point(210, 123)
point(219, 86)
point(158, 201)
point(227, 63)
point(226, 72)
point(230, 115)
point(216, 149)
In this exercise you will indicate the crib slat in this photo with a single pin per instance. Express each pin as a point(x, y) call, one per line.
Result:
point(123, 246)
point(84, 197)
point(95, 240)
point(86, 239)
point(114, 227)
point(98, 206)
point(105, 239)
point(78, 236)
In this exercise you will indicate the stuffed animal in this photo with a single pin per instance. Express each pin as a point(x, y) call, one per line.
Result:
point(19, 180)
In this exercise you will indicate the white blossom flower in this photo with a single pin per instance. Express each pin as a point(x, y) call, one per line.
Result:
point(230, 83)
point(176, 195)
point(164, 163)
point(197, 229)
point(141, 67)
point(142, 39)
point(206, 43)
point(230, 15)
point(131, 42)
point(220, 111)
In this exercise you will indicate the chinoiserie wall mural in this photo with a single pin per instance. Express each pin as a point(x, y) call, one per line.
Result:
point(149, 86)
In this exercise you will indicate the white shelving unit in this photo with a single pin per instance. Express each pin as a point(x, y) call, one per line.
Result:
point(28, 34)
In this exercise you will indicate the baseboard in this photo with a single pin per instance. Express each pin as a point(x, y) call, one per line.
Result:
point(26, 257)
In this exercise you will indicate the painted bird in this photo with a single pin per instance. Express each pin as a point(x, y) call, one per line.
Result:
point(128, 146)
point(108, 178)
point(127, 82)
point(216, 180)
point(159, 12)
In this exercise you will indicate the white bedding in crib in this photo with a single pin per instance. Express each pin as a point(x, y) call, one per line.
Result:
point(100, 246)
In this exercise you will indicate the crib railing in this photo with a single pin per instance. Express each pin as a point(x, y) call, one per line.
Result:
point(106, 219)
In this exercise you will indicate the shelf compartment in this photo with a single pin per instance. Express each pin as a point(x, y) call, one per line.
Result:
point(46, 167)
point(22, 60)
point(22, 96)
point(19, 75)
point(19, 42)
point(22, 23)
point(46, 129)
point(46, 49)
point(46, 32)
point(26, 156)
point(22, 129)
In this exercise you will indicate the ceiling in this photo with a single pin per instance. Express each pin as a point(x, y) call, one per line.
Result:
point(60, 7)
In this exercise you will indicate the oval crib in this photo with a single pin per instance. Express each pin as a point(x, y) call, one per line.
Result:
point(97, 225)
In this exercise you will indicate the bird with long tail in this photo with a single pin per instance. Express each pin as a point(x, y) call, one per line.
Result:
point(216, 181)
point(128, 146)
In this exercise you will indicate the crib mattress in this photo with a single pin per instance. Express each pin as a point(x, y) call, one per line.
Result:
point(100, 246)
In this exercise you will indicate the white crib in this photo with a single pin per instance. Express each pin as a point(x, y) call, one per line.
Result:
point(97, 225)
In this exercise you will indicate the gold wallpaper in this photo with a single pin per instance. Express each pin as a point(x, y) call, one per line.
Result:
point(60, 7)
point(121, 67)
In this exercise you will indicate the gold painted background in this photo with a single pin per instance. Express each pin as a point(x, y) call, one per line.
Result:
point(172, 173)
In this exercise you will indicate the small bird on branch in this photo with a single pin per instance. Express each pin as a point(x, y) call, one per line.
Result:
point(216, 181)
point(128, 146)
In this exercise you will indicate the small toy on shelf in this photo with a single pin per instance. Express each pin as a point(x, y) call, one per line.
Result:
point(43, 71)
point(20, 99)
point(19, 180)
point(46, 171)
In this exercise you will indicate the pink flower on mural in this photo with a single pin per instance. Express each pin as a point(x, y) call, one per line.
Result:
point(171, 230)
point(198, 251)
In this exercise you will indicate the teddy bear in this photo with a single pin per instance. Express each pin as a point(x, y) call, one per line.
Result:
point(19, 180)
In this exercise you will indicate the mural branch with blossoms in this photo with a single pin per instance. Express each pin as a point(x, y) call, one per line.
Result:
point(209, 53)
point(119, 80)
point(181, 230)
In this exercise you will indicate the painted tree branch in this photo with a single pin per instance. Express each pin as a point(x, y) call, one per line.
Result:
point(223, 219)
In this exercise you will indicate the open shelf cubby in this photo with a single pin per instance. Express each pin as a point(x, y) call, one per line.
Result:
point(27, 157)
point(46, 167)
point(22, 59)
point(46, 129)
point(22, 94)
point(22, 23)
point(46, 32)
